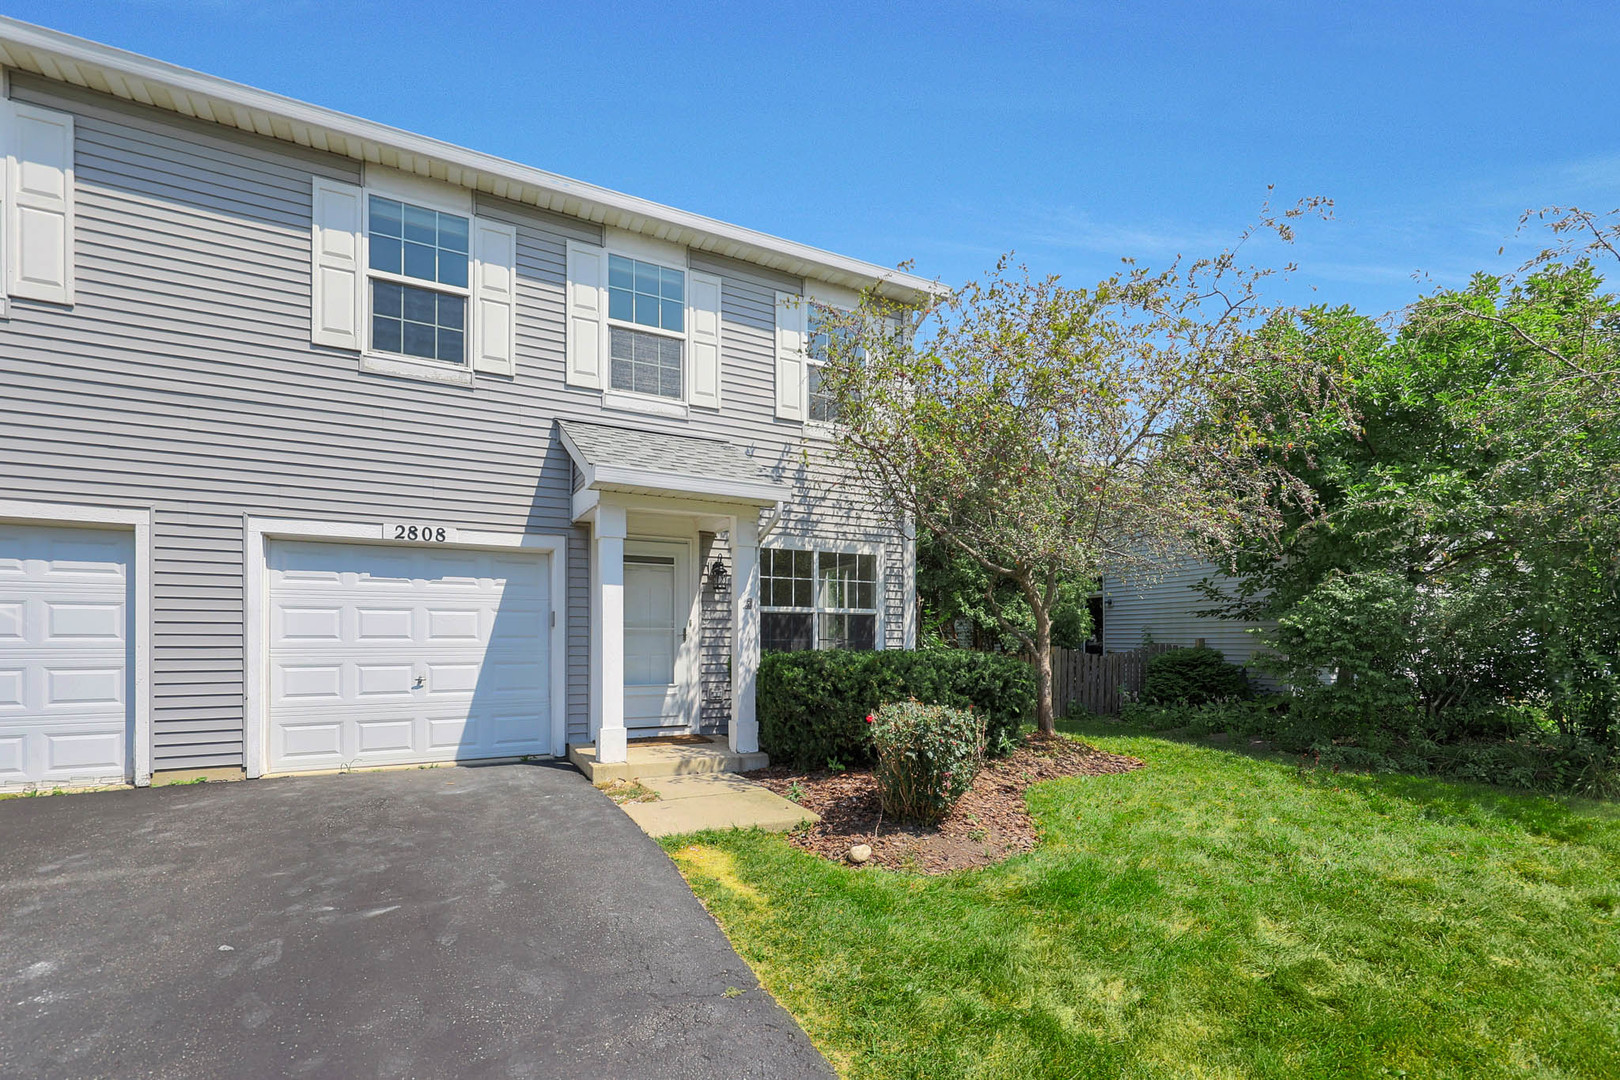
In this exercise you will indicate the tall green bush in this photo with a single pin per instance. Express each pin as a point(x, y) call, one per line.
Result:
point(1192, 677)
point(812, 706)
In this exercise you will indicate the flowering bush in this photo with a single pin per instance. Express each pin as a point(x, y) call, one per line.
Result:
point(927, 757)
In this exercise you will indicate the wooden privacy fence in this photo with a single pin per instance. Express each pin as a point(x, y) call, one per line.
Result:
point(1097, 682)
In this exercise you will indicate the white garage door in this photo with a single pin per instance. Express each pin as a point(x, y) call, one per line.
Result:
point(383, 655)
point(65, 669)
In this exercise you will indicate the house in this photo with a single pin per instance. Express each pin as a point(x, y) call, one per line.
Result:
point(1165, 610)
point(324, 444)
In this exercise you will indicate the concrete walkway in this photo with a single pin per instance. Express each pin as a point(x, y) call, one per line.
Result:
point(697, 788)
point(713, 801)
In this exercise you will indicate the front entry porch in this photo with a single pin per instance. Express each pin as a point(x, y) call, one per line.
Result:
point(650, 500)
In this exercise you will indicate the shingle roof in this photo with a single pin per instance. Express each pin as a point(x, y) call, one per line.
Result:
point(673, 458)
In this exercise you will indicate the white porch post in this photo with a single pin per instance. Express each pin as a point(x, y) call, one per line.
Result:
point(744, 632)
point(607, 633)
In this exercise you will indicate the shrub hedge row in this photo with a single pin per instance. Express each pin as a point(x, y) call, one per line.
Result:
point(813, 705)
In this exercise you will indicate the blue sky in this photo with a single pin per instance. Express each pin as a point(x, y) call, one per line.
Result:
point(949, 132)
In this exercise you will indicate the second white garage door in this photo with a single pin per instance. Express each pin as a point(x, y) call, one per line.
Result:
point(386, 655)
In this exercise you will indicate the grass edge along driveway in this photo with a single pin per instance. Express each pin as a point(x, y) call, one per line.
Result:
point(1212, 915)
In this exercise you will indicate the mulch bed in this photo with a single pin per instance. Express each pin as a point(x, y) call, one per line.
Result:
point(987, 825)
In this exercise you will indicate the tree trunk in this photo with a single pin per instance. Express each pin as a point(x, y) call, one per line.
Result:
point(1045, 715)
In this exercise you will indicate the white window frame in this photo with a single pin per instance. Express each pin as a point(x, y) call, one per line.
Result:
point(379, 362)
point(823, 429)
point(630, 400)
point(816, 610)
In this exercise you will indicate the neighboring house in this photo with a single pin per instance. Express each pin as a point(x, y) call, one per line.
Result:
point(323, 444)
point(1165, 610)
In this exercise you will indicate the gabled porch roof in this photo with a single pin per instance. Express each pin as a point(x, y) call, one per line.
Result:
point(671, 466)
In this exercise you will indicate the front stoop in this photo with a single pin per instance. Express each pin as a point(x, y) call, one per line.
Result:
point(649, 760)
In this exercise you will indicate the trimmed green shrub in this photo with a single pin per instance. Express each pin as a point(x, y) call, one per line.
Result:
point(1192, 677)
point(812, 706)
point(927, 757)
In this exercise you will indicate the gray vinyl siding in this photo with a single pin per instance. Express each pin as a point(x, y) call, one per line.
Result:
point(183, 380)
point(1165, 610)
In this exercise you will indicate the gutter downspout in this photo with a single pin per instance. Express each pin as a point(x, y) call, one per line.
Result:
point(775, 520)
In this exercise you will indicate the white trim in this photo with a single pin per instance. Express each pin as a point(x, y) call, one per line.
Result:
point(908, 567)
point(421, 190)
point(256, 611)
point(651, 405)
point(791, 351)
point(413, 367)
point(646, 248)
point(139, 78)
point(705, 338)
point(833, 296)
point(138, 521)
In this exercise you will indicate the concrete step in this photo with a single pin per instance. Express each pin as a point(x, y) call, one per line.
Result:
point(651, 760)
point(713, 801)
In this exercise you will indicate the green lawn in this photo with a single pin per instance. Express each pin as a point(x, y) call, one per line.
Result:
point(1212, 915)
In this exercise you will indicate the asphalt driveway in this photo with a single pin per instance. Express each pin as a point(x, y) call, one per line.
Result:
point(499, 921)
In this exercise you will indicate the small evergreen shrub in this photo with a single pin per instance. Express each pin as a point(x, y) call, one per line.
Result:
point(1192, 677)
point(927, 757)
point(812, 706)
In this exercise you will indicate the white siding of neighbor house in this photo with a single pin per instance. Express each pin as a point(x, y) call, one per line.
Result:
point(1165, 610)
point(183, 379)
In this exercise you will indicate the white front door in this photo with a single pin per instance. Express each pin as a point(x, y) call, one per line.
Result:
point(658, 650)
point(65, 666)
point(389, 655)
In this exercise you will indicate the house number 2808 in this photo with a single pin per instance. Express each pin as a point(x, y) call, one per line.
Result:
point(429, 533)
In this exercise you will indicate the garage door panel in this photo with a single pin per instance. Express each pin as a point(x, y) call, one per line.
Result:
point(457, 625)
point(385, 624)
point(302, 623)
point(385, 736)
point(82, 752)
point(309, 683)
point(385, 680)
point(442, 654)
point(66, 622)
point(13, 758)
point(13, 688)
point(83, 686)
point(13, 618)
point(320, 741)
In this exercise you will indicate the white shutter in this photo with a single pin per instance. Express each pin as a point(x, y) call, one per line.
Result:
point(790, 344)
point(336, 289)
point(494, 299)
point(703, 338)
point(39, 203)
point(587, 315)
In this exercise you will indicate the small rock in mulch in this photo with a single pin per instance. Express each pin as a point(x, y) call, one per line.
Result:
point(987, 825)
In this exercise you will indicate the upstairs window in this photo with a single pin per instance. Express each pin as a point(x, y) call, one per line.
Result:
point(417, 265)
point(822, 336)
point(646, 328)
point(817, 600)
